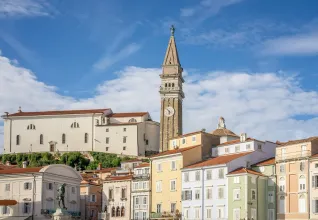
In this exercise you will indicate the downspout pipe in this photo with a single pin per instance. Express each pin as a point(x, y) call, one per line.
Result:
point(93, 131)
point(33, 195)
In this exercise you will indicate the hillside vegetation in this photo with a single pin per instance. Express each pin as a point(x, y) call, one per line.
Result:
point(71, 158)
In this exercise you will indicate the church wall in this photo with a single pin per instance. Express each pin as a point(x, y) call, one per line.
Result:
point(153, 136)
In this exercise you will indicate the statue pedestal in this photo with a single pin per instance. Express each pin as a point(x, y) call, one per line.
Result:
point(61, 214)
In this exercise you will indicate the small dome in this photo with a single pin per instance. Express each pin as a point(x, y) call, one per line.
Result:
point(223, 132)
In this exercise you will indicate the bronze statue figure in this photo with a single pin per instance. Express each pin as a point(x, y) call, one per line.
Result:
point(61, 195)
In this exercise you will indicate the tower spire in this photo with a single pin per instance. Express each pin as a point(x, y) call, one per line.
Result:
point(172, 56)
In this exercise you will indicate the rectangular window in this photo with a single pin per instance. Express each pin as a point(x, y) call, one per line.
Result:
point(172, 185)
point(186, 195)
point(271, 214)
point(197, 175)
point(93, 198)
point(50, 186)
point(28, 186)
point(158, 208)
point(7, 187)
point(124, 139)
point(197, 213)
point(237, 148)
point(226, 150)
point(124, 129)
point(236, 194)
point(186, 214)
point(220, 193)
point(236, 179)
point(220, 213)
point(259, 146)
point(221, 173)
point(209, 213)
point(197, 194)
point(248, 146)
point(316, 165)
point(314, 181)
point(253, 194)
point(209, 174)
point(283, 153)
point(159, 167)
point(107, 140)
point(237, 214)
point(282, 168)
point(158, 186)
point(173, 207)
point(315, 206)
point(124, 148)
point(173, 165)
point(194, 139)
point(303, 150)
point(5, 210)
point(253, 214)
point(107, 129)
point(271, 197)
point(26, 207)
point(183, 141)
point(209, 193)
point(107, 148)
point(111, 194)
point(186, 177)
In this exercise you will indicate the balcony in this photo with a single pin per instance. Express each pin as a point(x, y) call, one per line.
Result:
point(141, 206)
point(103, 216)
point(142, 176)
point(293, 156)
point(165, 215)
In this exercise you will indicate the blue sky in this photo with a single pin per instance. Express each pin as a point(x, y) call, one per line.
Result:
point(79, 51)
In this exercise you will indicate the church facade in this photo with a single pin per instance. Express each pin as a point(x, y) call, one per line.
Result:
point(101, 130)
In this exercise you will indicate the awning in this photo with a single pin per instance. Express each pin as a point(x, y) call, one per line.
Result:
point(7, 202)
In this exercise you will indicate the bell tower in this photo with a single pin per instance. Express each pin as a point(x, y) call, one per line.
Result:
point(171, 93)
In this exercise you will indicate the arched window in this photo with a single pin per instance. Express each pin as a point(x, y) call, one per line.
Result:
point(123, 193)
point(31, 127)
point(122, 211)
point(74, 125)
point(18, 140)
point(113, 212)
point(302, 204)
point(169, 84)
point(86, 138)
point(41, 138)
point(132, 120)
point(63, 138)
point(281, 204)
point(117, 211)
point(282, 184)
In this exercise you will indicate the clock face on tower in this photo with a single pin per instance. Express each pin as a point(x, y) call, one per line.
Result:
point(169, 111)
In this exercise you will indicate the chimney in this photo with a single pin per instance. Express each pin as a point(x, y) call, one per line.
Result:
point(243, 137)
point(99, 166)
point(8, 163)
point(7, 113)
point(20, 110)
point(24, 164)
point(203, 129)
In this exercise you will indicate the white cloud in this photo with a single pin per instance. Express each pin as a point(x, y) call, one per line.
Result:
point(110, 59)
point(25, 8)
point(305, 44)
point(262, 104)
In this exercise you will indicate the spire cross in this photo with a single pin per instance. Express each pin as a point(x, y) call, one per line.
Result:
point(172, 29)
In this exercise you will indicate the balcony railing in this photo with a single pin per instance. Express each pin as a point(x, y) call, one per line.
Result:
point(141, 206)
point(52, 211)
point(142, 176)
point(165, 215)
point(293, 155)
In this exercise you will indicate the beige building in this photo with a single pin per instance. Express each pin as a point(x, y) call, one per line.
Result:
point(293, 178)
point(314, 187)
point(101, 130)
point(116, 198)
point(91, 190)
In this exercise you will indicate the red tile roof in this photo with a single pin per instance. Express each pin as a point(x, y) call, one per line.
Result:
point(237, 141)
point(217, 160)
point(118, 178)
point(175, 151)
point(5, 167)
point(266, 162)
point(62, 112)
point(132, 160)
point(300, 141)
point(128, 114)
point(21, 170)
point(223, 132)
point(244, 170)
point(143, 165)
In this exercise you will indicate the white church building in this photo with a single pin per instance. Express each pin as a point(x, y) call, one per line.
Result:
point(100, 130)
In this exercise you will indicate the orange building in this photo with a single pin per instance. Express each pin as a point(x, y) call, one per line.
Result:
point(292, 167)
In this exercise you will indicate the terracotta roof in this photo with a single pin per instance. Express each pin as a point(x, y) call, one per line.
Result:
point(118, 178)
point(63, 112)
point(223, 132)
point(217, 160)
point(7, 202)
point(244, 170)
point(5, 167)
point(266, 162)
point(315, 155)
point(21, 170)
point(106, 170)
point(175, 151)
point(237, 141)
point(292, 142)
point(128, 114)
point(143, 165)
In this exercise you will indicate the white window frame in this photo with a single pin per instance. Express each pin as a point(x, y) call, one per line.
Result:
point(302, 204)
point(186, 176)
point(209, 175)
point(280, 209)
point(7, 187)
point(235, 193)
point(221, 173)
point(159, 186)
point(271, 196)
point(220, 189)
point(269, 214)
point(159, 168)
point(197, 213)
point(302, 183)
point(236, 179)
point(208, 213)
point(208, 193)
point(173, 183)
point(197, 175)
point(197, 194)
point(194, 138)
point(239, 214)
point(173, 165)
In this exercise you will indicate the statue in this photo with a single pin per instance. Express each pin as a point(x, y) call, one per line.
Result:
point(172, 30)
point(61, 195)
